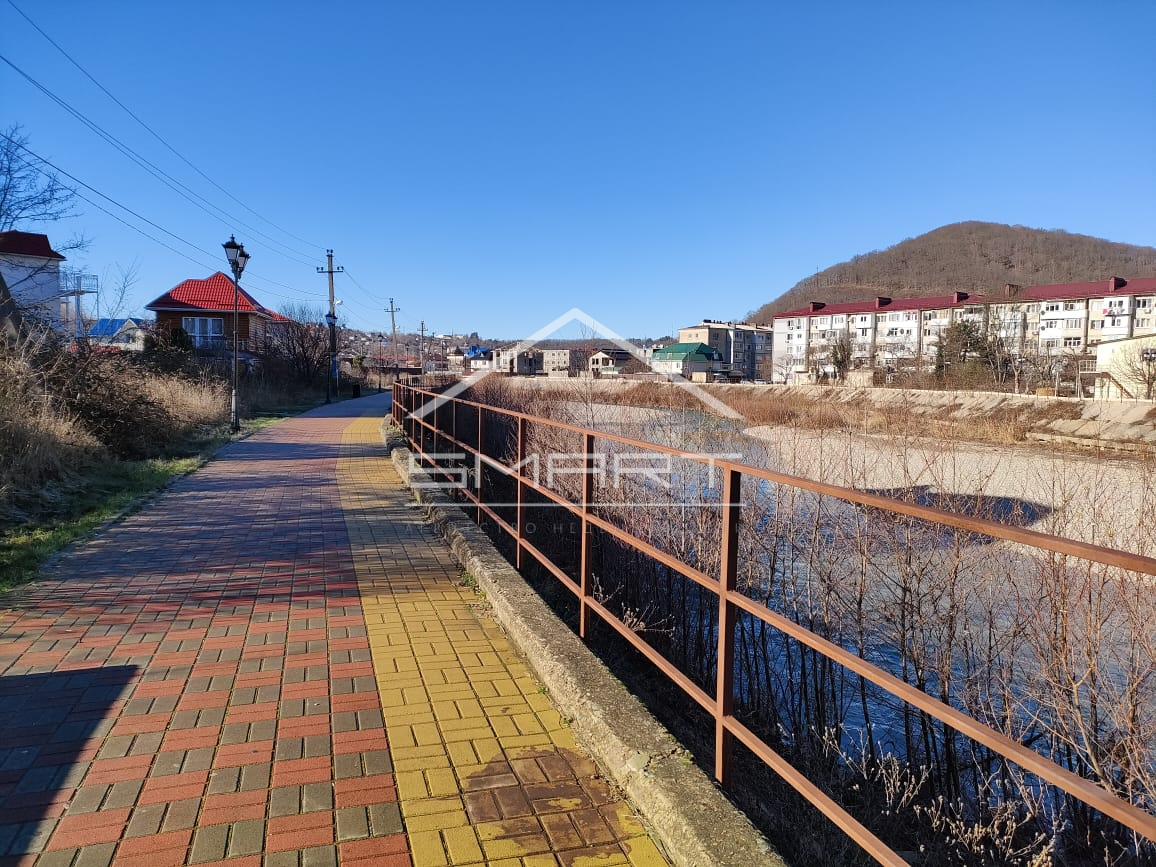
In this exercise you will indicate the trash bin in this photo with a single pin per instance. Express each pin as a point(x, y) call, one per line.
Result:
point(356, 388)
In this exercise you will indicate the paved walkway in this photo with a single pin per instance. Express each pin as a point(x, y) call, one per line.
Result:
point(276, 663)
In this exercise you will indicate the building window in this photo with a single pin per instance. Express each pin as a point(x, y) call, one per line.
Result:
point(204, 330)
point(1070, 305)
point(1096, 324)
point(1143, 323)
point(1072, 342)
point(1144, 303)
point(1048, 324)
point(1073, 323)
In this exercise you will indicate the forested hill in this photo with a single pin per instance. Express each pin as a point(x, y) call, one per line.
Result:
point(968, 257)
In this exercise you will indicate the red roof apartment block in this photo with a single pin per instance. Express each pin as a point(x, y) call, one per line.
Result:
point(1010, 294)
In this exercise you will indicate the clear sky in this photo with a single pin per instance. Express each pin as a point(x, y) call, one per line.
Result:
point(492, 164)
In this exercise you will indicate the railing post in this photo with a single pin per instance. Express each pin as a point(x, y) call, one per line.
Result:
point(727, 617)
point(479, 465)
point(586, 538)
point(521, 456)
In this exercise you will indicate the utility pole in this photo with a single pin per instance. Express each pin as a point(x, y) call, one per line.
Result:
point(391, 310)
point(421, 351)
point(331, 319)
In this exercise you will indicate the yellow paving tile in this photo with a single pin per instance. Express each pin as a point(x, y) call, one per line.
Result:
point(466, 722)
point(462, 845)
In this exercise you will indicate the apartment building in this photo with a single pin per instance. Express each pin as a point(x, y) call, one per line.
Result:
point(881, 332)
point(745, 348)
point(1052, 319)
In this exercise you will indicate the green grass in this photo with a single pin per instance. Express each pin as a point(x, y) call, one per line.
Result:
point(95, 494)
point(72, 510)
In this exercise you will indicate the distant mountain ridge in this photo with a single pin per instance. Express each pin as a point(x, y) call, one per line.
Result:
point(967, 257)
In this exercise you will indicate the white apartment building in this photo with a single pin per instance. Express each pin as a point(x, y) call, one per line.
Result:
point(1066, 318)
point(880, 332)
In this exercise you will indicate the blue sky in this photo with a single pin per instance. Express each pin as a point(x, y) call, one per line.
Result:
point(491, 165)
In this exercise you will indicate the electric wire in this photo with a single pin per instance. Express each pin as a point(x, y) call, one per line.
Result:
point(168, 180)
point(153, 132)
point(144, 219)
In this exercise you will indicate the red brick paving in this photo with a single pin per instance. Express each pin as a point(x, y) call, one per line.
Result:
point(158, 686)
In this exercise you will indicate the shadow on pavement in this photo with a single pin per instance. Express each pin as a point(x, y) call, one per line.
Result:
point(47, 725)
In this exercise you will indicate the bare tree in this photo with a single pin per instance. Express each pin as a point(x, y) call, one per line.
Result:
point(302, 342)
point(1137, 366)
point(28, 193)
point(840, 354)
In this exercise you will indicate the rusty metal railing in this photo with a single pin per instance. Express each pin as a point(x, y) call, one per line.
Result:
point(418, 413)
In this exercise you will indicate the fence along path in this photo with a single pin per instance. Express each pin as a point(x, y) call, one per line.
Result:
point(440, 426)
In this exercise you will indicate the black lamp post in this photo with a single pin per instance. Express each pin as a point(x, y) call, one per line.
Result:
point(331, 321)
point(238, 258)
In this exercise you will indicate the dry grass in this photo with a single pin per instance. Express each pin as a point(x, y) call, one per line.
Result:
point(189, 404)
point(62, 413)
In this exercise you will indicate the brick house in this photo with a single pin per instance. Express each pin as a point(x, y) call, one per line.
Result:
point(204, 310)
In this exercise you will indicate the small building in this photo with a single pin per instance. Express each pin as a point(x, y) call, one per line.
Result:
point(126, 334)
point(31, 269)
point(564, 362)
point(609, 362)
point(695, 361)
point(203, 309)
point(1126, 368)
point(526, 362)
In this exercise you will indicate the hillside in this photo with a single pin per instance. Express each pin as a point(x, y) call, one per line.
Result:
point(968, 257)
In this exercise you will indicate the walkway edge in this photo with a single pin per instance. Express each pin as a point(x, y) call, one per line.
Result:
point(692, 819)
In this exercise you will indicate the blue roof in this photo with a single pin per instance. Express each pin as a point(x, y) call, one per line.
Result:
point(109, 327)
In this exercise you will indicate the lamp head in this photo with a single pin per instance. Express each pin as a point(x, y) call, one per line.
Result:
point(236, 254)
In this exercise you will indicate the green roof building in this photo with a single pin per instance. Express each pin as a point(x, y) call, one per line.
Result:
point(687, 359)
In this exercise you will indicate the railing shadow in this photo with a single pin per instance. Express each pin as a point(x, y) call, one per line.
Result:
point(48, 722)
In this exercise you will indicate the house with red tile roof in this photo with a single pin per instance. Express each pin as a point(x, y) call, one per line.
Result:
point(204, 309)
point(31, 268)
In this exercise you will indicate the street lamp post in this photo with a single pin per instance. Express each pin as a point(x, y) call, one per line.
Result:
point(331, 321)
point(380, 362)
point(238, 258)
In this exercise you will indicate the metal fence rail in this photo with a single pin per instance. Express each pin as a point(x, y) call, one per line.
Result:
point(431, 422)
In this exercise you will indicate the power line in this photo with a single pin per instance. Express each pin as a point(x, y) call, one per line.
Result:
point(139, 216)
point(160, 174)
point(150, 130)
point(93, 189)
